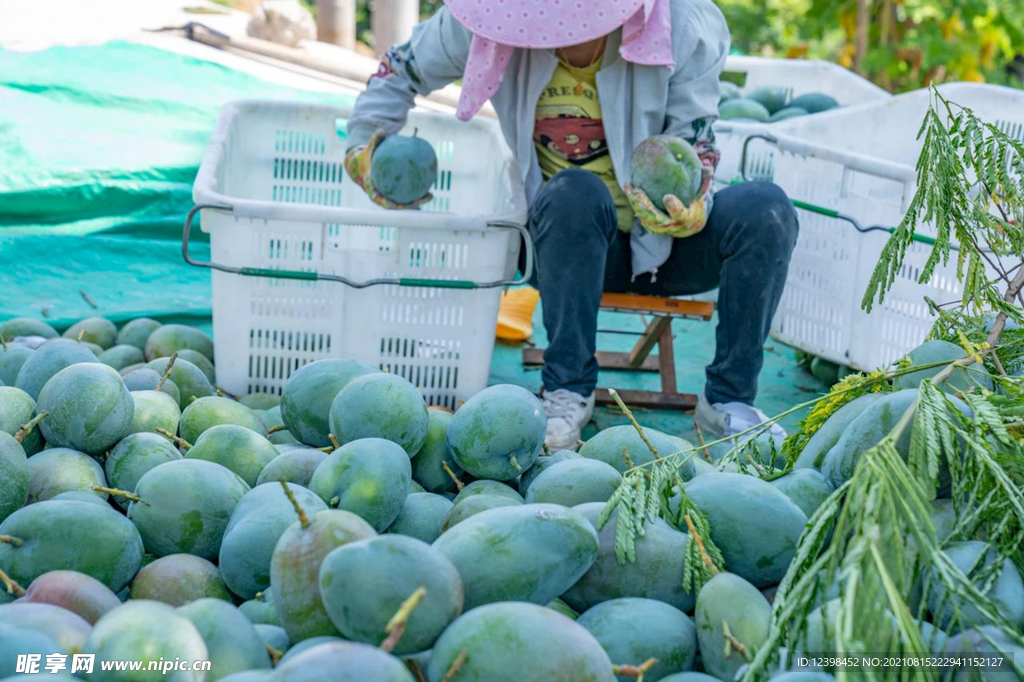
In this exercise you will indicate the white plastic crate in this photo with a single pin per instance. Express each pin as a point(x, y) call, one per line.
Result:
point(860, 162)
point(278, 167)
point(797, 77)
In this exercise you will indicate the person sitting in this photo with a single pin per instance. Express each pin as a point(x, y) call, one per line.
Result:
point(577, 85)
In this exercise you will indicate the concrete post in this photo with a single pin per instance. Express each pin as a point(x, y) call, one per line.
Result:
point(336, 22)
point(392, 22)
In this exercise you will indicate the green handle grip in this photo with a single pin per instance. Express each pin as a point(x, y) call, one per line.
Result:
point(278, 274)
point(436, 283)
point(402, 281)
point(830, 213)
point(815, 209)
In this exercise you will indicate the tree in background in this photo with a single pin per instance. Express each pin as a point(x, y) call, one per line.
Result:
point(899, 44)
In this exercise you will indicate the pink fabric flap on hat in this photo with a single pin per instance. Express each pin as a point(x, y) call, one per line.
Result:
point(500, 26)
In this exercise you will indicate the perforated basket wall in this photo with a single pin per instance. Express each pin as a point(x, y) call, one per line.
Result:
point(280, 165)
point(796, 77)
point(820, 311)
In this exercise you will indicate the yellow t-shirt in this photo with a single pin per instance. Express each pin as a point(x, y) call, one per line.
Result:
point(569, 132)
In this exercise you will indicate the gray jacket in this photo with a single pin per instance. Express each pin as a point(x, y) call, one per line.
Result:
point(637, 101)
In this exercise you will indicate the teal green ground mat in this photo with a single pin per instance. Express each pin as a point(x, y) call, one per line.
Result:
point(99, 147)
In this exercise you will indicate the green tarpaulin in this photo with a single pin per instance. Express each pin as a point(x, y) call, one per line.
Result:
point(99, 146)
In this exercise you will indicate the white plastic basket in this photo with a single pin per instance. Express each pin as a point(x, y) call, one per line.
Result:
point(797, 77)
point(284, 220)
point(860, 162)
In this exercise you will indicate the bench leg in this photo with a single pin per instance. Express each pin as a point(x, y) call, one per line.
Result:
point(667, 362)
point(658, 333)
point(656, 330)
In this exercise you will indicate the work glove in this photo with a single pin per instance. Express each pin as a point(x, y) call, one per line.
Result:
point(357, 165)
point(677, 220)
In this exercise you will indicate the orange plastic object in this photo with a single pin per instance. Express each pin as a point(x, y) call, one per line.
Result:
point(515, 313)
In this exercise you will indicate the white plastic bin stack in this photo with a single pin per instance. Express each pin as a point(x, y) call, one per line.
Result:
point(860, 161)
point(797, 77)
point(279, 166)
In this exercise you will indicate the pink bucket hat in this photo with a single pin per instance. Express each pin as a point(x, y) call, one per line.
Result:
point(500, 26)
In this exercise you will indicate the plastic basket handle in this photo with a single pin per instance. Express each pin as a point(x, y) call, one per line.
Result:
point(320, 277)
point(858, 162)
point(832, 213)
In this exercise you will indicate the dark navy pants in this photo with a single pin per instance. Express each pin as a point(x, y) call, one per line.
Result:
point(744, 250)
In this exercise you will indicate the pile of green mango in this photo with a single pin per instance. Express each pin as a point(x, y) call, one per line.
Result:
point(769, 104)
point(346, 530)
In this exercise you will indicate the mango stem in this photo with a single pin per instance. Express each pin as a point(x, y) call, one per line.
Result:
point(167, 371)
point(732, 643)
point(703, 445)
point(11, 540)
point(414, 668)
point(11, 585)
point(396, 626)
point(456, 666)
point(299, 511)
point(116, 492)
point(459, 485)
point(180, 442)
point(27, 427)
point(636, 671)
point(274, 429)
point(275, 654)
point(632, 420)
point(81, 335)
point(334, 440)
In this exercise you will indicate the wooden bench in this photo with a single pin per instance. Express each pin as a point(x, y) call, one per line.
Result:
point(657, 333)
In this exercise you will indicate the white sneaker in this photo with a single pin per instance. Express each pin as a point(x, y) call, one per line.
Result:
point(722, 420)
point(568, 413)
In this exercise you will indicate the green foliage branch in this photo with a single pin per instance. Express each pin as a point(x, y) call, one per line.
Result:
point(871, 552)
